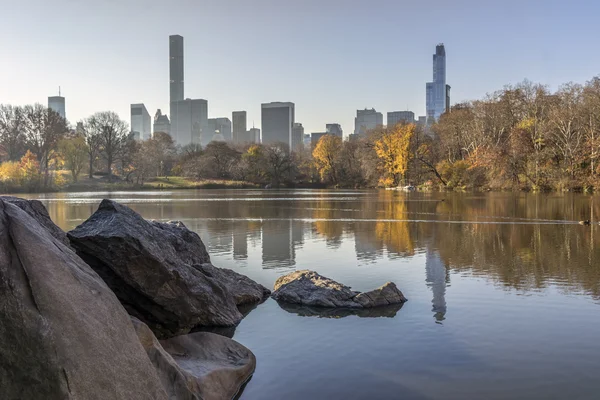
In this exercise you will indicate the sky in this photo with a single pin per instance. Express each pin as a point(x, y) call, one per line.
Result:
point(329, 57)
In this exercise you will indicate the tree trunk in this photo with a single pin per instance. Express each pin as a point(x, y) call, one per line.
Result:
point(91, 166)
point(109, 161)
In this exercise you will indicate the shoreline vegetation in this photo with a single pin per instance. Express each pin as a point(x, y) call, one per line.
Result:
point(523, 137)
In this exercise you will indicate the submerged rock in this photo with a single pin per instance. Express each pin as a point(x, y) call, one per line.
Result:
point(37, 211)
point(63, 333)
point(311, 289)
point(161, 272)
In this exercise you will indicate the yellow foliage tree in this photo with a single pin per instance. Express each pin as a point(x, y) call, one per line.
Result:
point(326, 157)
point(393, 151)
point(10, 172)
point(30, 168)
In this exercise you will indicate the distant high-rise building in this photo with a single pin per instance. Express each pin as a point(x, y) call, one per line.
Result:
point(175, 77)
point(57, 104)
point(422, 120)
point(189, 122)
point(315, 137)
point(220, 128)
point(334, 129)
point(239, 126)
point(161, 123)
point(396, 117)
point(367, 119)
point(253, 135)
point(140, 121)
point(438, 92)
point(306, 141)
point(297, 136)
point(277, 120)
point(176, 68)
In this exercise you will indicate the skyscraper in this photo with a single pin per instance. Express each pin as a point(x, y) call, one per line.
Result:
point(176, 68)
point(395, 117)
point(57, 104)
point(297, 136)
point(367, 119)
point(239, 126)
point(438, 92)
point(176, 84)
point(253, 135)
point(219, 129)
point(140, 121)
point(161, 123)
point(277, 120)
point(189, 122)
point(334, 129)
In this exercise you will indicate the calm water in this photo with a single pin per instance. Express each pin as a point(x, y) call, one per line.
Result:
point(503, 289)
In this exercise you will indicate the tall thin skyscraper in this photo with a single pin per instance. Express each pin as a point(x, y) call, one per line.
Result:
point(239, 126)
point(438, 92)
point(176, 84)
point(176, 67)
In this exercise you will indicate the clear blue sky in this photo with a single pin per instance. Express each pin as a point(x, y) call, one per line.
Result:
point(330, 57)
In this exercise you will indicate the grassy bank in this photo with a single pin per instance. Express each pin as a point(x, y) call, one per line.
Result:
point(86, 184)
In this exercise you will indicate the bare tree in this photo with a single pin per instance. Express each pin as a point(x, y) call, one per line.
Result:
point(278, 162)
point(43, 129)
point(11, 131)
point(106, 135)
point(91, 130)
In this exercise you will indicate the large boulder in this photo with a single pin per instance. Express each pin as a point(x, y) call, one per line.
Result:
point(178, 384)
point(212, 367)
point(220, 366)
point(37, 211)
point(63, 333)
point(311, 289)
point(161, 272)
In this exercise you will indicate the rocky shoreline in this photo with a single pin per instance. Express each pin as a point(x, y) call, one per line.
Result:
point(113, 308)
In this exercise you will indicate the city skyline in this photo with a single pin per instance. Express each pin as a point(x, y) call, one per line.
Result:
point(123, 68)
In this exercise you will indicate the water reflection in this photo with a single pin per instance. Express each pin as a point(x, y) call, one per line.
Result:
point(437, 278)
point(520, 241)
point(321, 312)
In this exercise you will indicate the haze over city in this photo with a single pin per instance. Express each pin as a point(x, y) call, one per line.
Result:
point(328, 57)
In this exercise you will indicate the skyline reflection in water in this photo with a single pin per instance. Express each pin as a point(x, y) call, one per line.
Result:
point(503, 288)
point(523, 241)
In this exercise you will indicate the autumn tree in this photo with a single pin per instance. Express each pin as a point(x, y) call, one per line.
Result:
point(393, 151)
point(327, 157)
point(74, 152)
point(30, 171)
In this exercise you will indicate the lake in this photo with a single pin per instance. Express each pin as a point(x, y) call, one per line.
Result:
point(503, 288)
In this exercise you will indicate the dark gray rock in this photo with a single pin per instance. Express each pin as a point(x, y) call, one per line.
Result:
point(37, 211)
point(311, 289)
point(63, 333)
point(220, 366)
point(161, 272)
point(243, 289)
